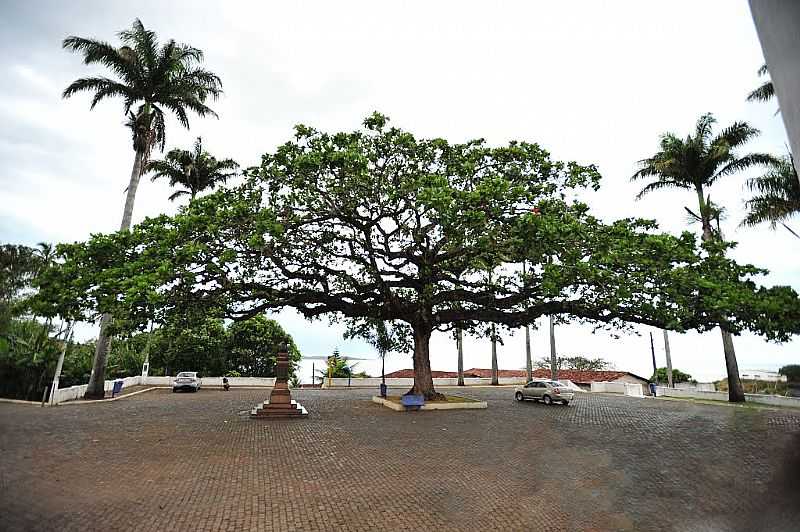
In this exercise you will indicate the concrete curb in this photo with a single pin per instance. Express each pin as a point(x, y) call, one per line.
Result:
point(85, 402)
point(20, 401)
point(472, 405)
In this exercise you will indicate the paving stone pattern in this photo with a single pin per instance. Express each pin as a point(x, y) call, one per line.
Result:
point(163, 461)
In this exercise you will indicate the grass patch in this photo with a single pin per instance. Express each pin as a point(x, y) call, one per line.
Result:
point(447, 399)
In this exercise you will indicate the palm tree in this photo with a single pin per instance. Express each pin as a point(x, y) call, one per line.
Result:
point(696, 163)
point(195, 170)
point(778, 195)
point(159, 79)
point(765, 92)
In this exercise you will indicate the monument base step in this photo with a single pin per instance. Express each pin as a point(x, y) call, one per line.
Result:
point(279, 410)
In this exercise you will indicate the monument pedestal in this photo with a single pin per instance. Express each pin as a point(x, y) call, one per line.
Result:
point(280, 404)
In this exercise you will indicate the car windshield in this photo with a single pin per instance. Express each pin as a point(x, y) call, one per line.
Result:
point(560, 385)
point(186, 374)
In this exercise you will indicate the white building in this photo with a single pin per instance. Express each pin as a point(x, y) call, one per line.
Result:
point(761, 375)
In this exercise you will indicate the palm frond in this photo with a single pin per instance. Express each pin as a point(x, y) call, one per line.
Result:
point(735, 135)
point(660, 184)
point(163, 78)
point(778, 194)
point(743, 163)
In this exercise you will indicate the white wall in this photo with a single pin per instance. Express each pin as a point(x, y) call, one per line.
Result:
point(775, 400)
point(77, 392)
point(634, 389)
point(374, 382)
point(608, 387)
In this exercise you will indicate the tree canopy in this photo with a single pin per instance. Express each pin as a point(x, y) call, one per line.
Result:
point(376, 224)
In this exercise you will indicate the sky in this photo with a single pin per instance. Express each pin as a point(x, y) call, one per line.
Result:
point(591, 81)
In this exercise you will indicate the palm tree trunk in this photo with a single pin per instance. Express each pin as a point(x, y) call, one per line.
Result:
point(553, 358)
point(528, 361)
point(460, 347)
point(495, 380)
point(96, 387)
point(735, 390)
point(669, 360)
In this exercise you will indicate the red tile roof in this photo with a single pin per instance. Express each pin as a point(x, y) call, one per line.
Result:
point(582, 377)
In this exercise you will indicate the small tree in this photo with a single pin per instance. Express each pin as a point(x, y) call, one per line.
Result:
point(677, 376)
point(792, 372)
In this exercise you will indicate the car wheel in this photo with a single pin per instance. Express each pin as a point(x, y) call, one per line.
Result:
point(547, 400)
point(566, 403)
point(174, 390)
point(518, 396)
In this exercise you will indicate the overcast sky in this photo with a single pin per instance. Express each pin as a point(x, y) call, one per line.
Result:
point(596, 82)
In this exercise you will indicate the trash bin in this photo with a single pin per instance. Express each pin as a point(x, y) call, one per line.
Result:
point(383, 390)
point(653, 389)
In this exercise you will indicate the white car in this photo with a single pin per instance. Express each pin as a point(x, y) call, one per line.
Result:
point(548, 392)
point(186, 380)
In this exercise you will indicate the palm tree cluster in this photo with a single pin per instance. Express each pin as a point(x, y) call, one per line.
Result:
point(157, 79)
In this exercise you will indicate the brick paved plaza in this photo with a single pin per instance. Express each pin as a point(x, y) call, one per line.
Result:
point(163, 461)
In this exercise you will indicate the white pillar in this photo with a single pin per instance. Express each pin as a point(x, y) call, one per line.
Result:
point(778, 26)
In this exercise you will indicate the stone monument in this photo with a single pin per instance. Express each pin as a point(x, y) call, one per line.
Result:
point(280, 403)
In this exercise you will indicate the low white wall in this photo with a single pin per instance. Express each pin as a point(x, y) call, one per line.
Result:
point(698, 386)
point(77, 392)
point(216, 381)
point(608, 387)
point(239, 381)
point(374, 382)
point(665, 391)
point(775, 400)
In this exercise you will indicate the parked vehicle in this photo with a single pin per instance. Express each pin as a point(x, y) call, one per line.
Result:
point(186, 380)
point(548, 392)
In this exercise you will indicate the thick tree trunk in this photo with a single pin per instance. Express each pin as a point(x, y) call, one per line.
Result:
point(96, 387)
point(460, 346)
point(528, 360)
point(423, 380)
point(553, 358)
point(495, 380)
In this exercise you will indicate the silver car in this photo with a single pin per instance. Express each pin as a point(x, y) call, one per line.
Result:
point(548, 392)
point(186, 380)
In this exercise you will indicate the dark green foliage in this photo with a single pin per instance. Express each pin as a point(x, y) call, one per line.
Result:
point(338, 366)
point(677, 376)
point(194, 170)
point(574, 363)
point(792, 372)
point(251, 346)
point(161, 78)
point(777, 196)
point(765, 91)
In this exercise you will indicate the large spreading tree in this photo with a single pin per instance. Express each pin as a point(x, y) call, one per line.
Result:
point(376, 224)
